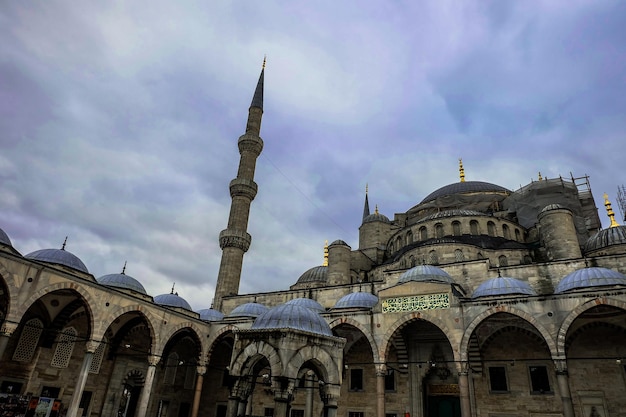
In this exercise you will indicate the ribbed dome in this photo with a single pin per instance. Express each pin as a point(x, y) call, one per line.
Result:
point(590, 277)
point(308, 303)
point(376, 217)
point(209, 314)
point(122, 281)
point(291, 316)
point(315, 274)
point(503, 286)
point(4, 238)
point(59, 257)
point(357, 300)
point(464, 188)
point(339, 242)
point(426, 273)
point(172, 300)
point(606, 237)
point(451, 213)
point(248, 310)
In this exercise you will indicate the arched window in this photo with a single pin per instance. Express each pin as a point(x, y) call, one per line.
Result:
point(171, 366)
point(64, 349)
point(456, 228)
point(399, 242)
point(474, 229)
point(423, 233)
point(412, 261)
point(518, 236)
point(29, 340)
point(391, 248)
point(439, 230)
point(433, 259)
point(506, 232)
point(98, 355)
point(409, 238)
point(503, 261)
point(491, 228)
point(458, 255)
point(528, 259)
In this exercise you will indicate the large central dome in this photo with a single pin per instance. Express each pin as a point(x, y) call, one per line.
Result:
point(465, 187)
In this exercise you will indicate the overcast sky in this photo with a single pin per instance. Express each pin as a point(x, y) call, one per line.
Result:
point(119, 121)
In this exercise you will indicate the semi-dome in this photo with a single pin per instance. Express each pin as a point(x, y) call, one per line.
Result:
point(426, 273)
point(59, 257)
point(248, 310)
point(172, 300)
point(503, 286)
point(590, 277)
point(315, 274)
point(291, 316)
point(357, 300)
point(606, 237)
point(376, 217)
point(465, 188)
point(4, 238)
point(209, 314)
point(308, 303)
point(122, 281)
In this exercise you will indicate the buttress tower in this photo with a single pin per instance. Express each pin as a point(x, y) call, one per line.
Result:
point(235, 240)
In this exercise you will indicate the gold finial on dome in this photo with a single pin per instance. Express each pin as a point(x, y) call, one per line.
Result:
point(376, 210)
point(264, 61)
point(540, 177)
point(124, 268)
point(609, 211)
point(366, 188)
point(325, 253)
point(64, 243)
point(461, 170)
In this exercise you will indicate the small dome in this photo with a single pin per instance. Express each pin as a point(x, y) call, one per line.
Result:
point(4, 238)
point(248, 310)
point(291, 316)
point(590, 277)
point(606, 237)
point(339, 242)
point(59, 257)
point(172, 300)
point(426, 273)
point(551, 207)
point(209, 314)
point(376, 217)
point(122, 281)
point(357, 300)
point(315, 274)
point(503, 286)
point(308, 303)
point(465, 188)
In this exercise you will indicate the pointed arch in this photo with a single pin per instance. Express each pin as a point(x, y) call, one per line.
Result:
point(318, 356)
point(150, 319)
point(347, 320)
point(245, 360)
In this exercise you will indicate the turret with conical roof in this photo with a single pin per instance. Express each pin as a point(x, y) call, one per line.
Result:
point(235, 240)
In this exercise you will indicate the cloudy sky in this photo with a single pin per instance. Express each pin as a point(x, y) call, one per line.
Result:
point(119, 121)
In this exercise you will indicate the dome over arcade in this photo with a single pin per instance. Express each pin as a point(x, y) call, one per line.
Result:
point(606, 237)
point(357, 300)
point(308, 303)
point(503, 286)
point(172, 300)
point(426, 273)
point(209, 314)
point(315, 274)
point(589, 278)
point(291, 316)
point(4, 238)
point(59, 257)
point(248, 310)
point(122, 281)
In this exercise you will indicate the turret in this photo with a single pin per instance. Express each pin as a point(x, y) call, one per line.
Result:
point(558, 233)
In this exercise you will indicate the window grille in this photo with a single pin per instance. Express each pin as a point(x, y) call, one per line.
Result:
point(29, 339)
point(64, 348)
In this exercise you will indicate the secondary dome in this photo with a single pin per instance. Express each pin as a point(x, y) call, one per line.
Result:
point(172, 300)
point(590, 277)
point(357, 300)
point(291, 316)
point(606, 237)
point(376, 217)
point(4, 238)
point(339, 242)
point(209, 314)
point(59, 257)
point(465, 187)
point(503, 286)
point(308, 303)
point(426, 273)
point(122, 281)
point(248, 310)
point(315, 274)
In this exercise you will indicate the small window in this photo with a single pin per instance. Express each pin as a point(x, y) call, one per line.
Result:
point(439, 230)
point(539, 381)
point(433, 259)
point(297, 413)
point(390, 380)
point(474, 229)
point(458, 255)
point(98, 355)
point(518, 236)
point(29, 340)
point(423, 233)
point(456, 228)
point(491, 228)
point(505, 231)
point(503, 261)
point(65, 348)
point(268, 412)
point(497, 379)
point(409, 238)
point(356, 379)
point(356, 414)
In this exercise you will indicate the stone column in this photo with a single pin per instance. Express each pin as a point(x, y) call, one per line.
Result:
point(6, 331)
point(309, 387)
point(381, 373)
point(144, 398)
point(562, 378)
point(464, 390)
point(233, 406)
point(200, 371)
point(90, 348)
point(330, 395)
point(282, 400)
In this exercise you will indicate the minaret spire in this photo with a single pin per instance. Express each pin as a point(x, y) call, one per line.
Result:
point(235, 240)
point(366, 207)
point(461, 170)
point(609, 211)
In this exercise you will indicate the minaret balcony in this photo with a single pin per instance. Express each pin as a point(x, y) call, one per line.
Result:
point(243, 187)
point(250, 143)
point(230, 238)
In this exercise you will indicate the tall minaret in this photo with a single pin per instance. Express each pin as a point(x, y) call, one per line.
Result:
point(235, 240)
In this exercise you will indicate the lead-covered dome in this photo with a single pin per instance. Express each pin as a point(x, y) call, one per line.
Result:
point(291, 316)
point(308, 303)
point(59, 257)
point(465, 187)
point(122, 281)
point(4, 238)
point(209, 314)
point(606, 237)
point(248, 310)
point(357, 300)
point(503, 286)
point(315, 274)
point(590, 277)
point(426, 273)
point(376, 217)
point(172, 300)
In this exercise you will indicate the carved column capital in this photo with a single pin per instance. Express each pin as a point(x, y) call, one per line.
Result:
point(153, 360)
point(381, 370)
point(8, 328)
point(91, 346)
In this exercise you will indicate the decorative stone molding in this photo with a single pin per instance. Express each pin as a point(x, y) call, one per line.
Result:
point(230, 238)
point(8, 328)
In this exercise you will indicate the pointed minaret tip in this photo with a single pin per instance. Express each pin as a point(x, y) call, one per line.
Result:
point(609, 211)
point(366, 206)
point(257, 100)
